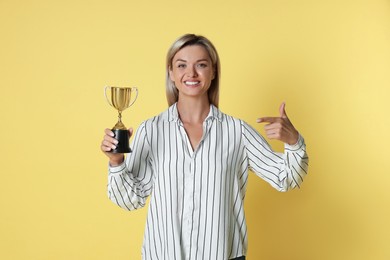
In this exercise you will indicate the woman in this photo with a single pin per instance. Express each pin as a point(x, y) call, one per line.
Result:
point(196, 159)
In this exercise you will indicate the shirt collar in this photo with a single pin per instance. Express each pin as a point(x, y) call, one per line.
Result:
point(173, 113)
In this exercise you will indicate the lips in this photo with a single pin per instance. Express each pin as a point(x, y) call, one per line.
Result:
point(191, 83)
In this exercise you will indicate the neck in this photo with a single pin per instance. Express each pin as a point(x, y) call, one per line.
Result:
point(193, 111)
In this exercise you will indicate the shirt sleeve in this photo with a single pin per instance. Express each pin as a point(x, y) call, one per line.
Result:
point(130, 183)
point(283, 171)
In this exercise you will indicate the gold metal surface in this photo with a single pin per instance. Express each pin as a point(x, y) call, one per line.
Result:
point(120, 99)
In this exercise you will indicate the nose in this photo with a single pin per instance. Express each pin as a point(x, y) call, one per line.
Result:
point(191, 72)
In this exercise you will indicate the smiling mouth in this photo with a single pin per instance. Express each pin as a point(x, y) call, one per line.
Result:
point(191, 83)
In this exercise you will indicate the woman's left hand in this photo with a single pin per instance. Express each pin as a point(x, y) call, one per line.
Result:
point(280, 128)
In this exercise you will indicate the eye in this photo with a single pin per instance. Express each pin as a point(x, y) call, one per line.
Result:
point(181, 65)
point(202, 65)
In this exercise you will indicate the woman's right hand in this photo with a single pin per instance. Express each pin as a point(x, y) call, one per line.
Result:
point(109, 143)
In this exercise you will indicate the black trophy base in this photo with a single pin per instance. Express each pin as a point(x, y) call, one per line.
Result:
point(123, 141)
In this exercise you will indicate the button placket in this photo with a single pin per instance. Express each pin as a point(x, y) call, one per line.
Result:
point(188, 201)
point(191, 205)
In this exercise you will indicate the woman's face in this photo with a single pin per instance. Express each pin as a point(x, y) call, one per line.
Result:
point(192, 71)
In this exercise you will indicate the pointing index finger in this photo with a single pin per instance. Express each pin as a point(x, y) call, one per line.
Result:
point(267, 119)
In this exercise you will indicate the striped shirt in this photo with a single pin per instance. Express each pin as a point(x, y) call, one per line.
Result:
point(196, 208)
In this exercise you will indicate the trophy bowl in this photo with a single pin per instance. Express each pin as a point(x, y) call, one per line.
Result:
point(120, 99)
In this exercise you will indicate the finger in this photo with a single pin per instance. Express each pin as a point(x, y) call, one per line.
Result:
point(274, 136)
point(267, 119)
point(110, 145)
point(109, 132)
point(106, 148)
point(273, 126)
point(271, 131)
point(110, 139)
point(282, 110)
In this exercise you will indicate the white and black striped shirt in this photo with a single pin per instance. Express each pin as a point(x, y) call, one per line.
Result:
point(196, 208)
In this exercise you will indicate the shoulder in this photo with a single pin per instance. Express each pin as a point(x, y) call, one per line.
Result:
point(223, 117)
point(241, 126)
point(165, 116)
point(232, 122)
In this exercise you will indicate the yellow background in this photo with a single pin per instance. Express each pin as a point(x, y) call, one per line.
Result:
point(329, 60)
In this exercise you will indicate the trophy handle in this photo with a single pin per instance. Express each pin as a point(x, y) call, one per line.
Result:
point(105, 94)
point(136, 95)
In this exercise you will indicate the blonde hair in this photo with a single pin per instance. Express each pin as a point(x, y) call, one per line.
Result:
point(188, 40)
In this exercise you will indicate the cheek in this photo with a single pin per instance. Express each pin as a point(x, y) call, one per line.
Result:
point(175, 75)
point(209, 75)
point(171, 75)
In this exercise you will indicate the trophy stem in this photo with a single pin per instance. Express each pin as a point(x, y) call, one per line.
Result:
point(119, 124)
point(120, 116)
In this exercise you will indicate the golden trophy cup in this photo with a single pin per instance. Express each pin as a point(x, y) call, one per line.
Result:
point(120, 99)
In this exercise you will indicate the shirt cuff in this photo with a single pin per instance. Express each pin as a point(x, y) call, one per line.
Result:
point(116, 169)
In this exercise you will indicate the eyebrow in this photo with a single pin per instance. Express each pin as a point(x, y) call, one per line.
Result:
point(181, 60)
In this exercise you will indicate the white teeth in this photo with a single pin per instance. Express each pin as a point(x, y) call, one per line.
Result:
point(192, 82)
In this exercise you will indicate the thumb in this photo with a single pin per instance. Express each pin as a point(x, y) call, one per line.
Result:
point(282, 110)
